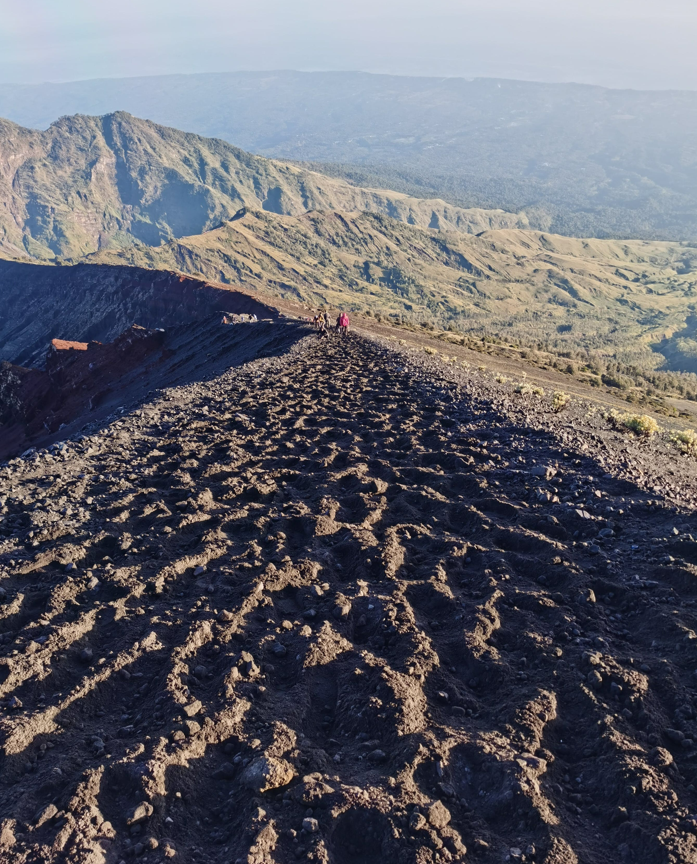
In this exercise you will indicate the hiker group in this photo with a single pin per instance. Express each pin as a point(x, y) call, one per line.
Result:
point(323, 326)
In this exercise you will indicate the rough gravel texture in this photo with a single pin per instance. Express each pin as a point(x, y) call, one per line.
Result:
point(347, 605)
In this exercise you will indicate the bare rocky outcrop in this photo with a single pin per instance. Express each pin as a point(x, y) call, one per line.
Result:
point(83, 382)
point(77, 378)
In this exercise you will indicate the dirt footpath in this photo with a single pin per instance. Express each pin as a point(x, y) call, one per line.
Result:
point(342, 606)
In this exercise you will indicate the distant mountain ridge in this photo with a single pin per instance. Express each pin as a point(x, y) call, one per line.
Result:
point(580, 160)
point(88, 183)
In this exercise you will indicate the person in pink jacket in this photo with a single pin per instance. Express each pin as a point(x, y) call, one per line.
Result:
point(344, 323)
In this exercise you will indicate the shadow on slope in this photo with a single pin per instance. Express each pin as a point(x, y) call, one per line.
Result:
point(680, 349)
point(88, 302)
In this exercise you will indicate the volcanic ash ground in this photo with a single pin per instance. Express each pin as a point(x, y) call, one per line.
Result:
point(329, 607)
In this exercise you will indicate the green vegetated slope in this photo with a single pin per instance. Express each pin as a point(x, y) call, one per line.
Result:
point(92, 182)
point(617, 297)
point(580, 160)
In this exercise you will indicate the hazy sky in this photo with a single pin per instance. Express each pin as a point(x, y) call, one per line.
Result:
point(619, 43)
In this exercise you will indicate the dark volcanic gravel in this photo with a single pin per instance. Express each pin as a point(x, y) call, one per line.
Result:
point(349, 605)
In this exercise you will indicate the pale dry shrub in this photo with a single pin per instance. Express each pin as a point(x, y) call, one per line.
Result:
point(559, 401)
point(685, 441)
point(640, 424)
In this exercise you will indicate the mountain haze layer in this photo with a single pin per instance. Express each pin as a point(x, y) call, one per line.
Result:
point(580, 160)
point(91, 182)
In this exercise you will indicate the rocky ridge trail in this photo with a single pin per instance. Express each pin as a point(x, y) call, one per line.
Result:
point(342, 606)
